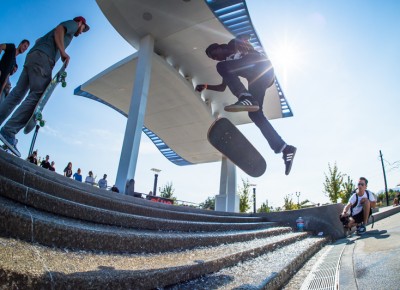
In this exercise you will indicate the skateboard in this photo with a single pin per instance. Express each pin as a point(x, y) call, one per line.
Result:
point(227, 139)
point(37, 116)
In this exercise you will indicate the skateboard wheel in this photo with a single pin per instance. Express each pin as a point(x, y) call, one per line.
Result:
point(63, 84)
point(39, 116)
point(42, 123)
point(64, 74)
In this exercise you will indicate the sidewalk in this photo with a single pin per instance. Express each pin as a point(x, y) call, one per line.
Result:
point(372, 261)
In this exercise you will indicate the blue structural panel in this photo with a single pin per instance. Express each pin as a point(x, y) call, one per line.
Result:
point(170, 154)
point(234, 15)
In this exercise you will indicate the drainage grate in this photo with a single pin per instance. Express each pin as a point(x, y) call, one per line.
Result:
point(324, 274)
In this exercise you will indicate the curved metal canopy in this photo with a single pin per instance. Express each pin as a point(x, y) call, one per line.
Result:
point(177, 118)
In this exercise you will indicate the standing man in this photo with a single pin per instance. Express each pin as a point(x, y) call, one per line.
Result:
point(237, 59)
point(360, 204)
point(103, 182)
point(8, 61)
point(46, 163)
point(35, 77)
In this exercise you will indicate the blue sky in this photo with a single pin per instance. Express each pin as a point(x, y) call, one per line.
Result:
point(338, 64)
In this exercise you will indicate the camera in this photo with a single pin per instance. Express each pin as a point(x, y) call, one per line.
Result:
point(344, 219)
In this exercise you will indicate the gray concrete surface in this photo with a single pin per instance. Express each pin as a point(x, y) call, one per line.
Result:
point(372, 261)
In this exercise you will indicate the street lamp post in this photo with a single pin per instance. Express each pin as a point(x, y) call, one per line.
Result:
point(155, 180)
point(298, 198)
point(254, 197)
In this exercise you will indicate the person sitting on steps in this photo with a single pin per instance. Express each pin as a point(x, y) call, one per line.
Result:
point(360, 204)
point(237, 59)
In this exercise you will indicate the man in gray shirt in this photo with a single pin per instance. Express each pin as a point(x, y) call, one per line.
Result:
point(35, 77)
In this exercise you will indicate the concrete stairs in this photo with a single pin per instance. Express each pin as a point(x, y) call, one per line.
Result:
point(56, 233)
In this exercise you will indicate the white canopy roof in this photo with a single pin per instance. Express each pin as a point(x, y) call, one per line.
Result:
point(176, 113)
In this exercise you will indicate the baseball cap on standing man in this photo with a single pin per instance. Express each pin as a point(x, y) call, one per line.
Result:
point(80, 18)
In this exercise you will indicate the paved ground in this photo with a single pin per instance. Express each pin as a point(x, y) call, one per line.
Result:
point(372, 261)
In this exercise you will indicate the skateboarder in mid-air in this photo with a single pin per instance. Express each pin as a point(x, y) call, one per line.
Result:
point(35, 77)
point(237, 59)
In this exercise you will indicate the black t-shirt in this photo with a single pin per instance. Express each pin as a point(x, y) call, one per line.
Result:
point(32, 159)
point(68, 172)
point(7, 62)
point(45, 164)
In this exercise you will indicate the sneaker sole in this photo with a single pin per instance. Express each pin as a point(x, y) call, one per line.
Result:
point(11, 148)
point(241, 108)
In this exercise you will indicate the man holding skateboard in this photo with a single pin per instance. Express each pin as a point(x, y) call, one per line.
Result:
point(237, 59)
point(35, 77)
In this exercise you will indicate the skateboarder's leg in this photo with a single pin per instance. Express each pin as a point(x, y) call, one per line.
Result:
point(230, 72)
point(274, 140)
point(258, 84)
point(39, 74)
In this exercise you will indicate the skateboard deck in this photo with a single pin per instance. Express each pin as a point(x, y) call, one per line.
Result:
point(227, 139)
point(37, 113)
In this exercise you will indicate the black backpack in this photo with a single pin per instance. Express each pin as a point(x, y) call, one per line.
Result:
point(354, 205)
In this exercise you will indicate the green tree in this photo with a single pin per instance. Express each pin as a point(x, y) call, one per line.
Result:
point(333, 183)
point(167, 191)
point(264, 207)
point(347, 189)
point(244, 195)
point(289, 204)
point(209, 203)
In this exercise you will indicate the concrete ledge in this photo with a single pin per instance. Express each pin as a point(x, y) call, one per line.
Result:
point(85, 270)
point(384, 212)
point(15, 169)
point(44, 202)
point(108, 201)
point(19, 221)
point(317, 219)
point(323, 218)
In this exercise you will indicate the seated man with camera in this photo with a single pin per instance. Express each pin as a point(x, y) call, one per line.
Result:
point(360, 205)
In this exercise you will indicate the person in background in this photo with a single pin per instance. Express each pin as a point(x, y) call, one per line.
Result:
point(8, 61)
point(77, 175)
point(90, 179)
point(52, 166)
point(114, 188)
point(46, 163)
point(103, 182)
point(35, 77)
point(360, 204)
point(33, 158)
point(68, 170)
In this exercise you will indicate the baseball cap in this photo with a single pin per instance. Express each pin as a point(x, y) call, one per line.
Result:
point(81, 18)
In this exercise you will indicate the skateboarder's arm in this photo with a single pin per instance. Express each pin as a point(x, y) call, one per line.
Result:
point(217, 88)
point(59, 39)
point(4, 84)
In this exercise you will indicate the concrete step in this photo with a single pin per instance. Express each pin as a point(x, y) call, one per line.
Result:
point(26, 223)
point(268, 271)
point(31, 266)
point(49, 203)
point(46, 181)
point(16, 167)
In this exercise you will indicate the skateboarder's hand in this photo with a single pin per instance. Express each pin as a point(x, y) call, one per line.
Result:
point(200, 88)
point(65, 58)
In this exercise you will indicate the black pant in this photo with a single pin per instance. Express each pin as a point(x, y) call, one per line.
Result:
point(258, 71)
